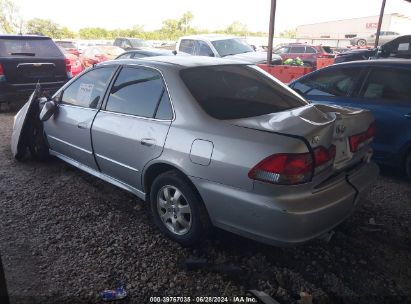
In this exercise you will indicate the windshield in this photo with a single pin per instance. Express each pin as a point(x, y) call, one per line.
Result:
point(232, 46)
point(137, 42)
point(238, 91)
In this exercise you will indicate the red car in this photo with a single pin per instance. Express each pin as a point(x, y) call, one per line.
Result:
point(308, 53)
point(69, 46)
point(99, 53)
point(75, 65)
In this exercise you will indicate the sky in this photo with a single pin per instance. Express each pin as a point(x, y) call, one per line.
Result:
point(209, 14)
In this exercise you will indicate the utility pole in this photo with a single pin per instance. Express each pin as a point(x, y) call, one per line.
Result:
point(271, 31)
point(377, 36)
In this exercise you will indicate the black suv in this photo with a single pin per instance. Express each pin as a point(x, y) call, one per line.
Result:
point(27, 60)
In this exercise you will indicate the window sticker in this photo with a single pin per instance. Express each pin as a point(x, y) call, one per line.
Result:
point(84, 93)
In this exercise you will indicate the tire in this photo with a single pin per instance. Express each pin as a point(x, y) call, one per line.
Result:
point(361, 42)
point(186, 220)
point(408, 166)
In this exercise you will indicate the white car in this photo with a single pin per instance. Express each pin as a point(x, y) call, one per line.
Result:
point(385, 36)
point(223, 46)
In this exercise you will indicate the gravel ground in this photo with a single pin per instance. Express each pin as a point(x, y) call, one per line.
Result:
point(65, 236)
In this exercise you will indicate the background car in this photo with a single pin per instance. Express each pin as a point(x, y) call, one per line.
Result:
point(146, 52)
point(130, 43)
point(75, 64)
point(26, 60)
point(207, 141)
point(223, 46)
point(400, 47)
point(385, 36)
point(100, 53)
point(306, 52)
point(69, 46)
point(381, 86)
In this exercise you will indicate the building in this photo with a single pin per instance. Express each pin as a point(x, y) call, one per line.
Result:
point(349, 28)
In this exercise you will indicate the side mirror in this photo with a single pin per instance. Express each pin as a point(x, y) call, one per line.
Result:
point(211, 55)
point(48, 110)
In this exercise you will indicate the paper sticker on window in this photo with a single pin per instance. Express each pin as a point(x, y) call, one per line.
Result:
point(84, 93)
point(403, 46)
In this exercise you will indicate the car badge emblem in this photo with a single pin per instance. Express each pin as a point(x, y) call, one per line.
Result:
point(315, 139)
point(340, 129)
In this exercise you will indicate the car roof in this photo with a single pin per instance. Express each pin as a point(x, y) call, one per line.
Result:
point(20, 37)
point(211, 37)
point(377, 62)
point(177, 61)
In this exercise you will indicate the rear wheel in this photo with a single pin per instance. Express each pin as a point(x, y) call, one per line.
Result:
point(361, 42)
point(408, 166)
point(177, 210)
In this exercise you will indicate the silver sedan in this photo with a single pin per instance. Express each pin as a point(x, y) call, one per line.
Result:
point(208, 142)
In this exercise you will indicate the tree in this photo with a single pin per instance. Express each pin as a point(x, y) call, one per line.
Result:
point(289, 33)
point(185, 21)
point(10, 19)
point(237, 28)
point(49, 28)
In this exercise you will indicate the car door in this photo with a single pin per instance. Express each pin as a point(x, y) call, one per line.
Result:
point(387, 93)
point(331, 85)
point(68, 131)
point(188, 46)
point(132, 128)
point(296, 51)
point(203, 49)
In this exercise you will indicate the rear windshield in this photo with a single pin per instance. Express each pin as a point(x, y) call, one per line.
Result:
point(29, 47)
point(237, 91)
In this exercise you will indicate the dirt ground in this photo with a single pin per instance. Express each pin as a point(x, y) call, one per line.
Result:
point(65, 236)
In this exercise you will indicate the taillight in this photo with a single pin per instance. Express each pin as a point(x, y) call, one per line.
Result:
point(283, 169)
point(360, 140)
point(293, 168)
point(1, 70)
point(323, 157)
point(68, 65)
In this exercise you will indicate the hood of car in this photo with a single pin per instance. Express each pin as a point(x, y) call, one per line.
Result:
point(252, 57)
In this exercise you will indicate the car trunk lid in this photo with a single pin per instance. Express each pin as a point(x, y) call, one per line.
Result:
point(319, 126)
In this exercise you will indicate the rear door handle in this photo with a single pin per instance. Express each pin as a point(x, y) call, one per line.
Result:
point(82, 125)
point(148, 142)
point(407, 115)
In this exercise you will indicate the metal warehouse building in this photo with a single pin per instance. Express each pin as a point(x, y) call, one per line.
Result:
point(349, 28)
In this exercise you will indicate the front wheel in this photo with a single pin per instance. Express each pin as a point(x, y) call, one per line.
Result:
point(178, 210)
point(361, 42)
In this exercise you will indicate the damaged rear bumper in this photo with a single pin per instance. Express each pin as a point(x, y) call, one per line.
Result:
point(291, 217)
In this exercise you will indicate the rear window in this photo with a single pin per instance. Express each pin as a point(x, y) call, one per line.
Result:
point(66, 44)
point(327, 49)
point(29, 47)
point(237, 91)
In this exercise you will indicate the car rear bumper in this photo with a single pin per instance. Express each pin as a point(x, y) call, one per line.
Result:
point(265, 218)
point(16, 92)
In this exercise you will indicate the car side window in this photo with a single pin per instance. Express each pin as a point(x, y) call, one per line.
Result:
point(329, 82)
point(87, 90)
point(204, 49)
point(164, 110)
point(282, 50)
point(136, 91)
point(187, 46)
point(125, 56)
point(310, 50)
point(389, 84)
point(297, 49)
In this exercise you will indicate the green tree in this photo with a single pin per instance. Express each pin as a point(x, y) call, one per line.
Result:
point(10, 19)
point(184, 24)
point(49, 28)
point(237, 28)
point(291, 33)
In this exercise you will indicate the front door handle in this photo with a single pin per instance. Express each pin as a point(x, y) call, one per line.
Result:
point(148, 142)
point(408, 115)
point(82, 125)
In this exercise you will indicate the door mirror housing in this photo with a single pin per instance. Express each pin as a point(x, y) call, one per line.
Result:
point(211, 55)
point(49, 108)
